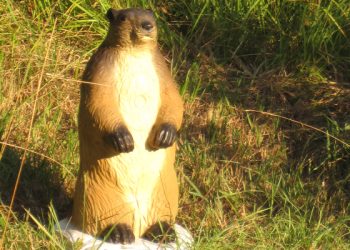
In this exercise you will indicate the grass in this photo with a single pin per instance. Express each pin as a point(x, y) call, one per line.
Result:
point(257, 78)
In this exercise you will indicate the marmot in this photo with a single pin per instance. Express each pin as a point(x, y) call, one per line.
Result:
point(129, 115)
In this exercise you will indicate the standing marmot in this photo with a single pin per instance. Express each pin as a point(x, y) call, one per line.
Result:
point(128, 120)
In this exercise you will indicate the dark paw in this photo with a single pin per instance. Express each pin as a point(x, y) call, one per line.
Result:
point(165, 136)
point(160, 232)
point(122, 140)
point(119, 233)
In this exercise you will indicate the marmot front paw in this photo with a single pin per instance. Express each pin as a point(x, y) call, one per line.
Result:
point(122, 140)
point(120, 233)
point(164, 136)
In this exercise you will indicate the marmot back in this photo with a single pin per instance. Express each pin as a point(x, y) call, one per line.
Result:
point(130, 112)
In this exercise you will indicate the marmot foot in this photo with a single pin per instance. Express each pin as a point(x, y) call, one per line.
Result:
point(161, 232)
point(119, 233)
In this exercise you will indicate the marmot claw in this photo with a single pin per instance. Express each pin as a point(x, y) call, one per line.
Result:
point(122, 140)
point(165, 136)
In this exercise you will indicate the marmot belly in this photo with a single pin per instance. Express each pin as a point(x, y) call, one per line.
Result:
point(138, 172)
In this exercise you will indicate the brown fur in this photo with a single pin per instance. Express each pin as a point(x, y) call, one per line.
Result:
point(99, 200)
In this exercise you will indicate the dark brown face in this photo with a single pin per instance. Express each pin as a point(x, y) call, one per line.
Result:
point(131, 27)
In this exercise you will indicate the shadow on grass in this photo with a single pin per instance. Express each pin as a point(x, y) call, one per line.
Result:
point(40, 184)
point(320, 163)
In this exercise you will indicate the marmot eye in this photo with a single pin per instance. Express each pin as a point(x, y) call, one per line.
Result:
point(121, 18)
point(147, 25)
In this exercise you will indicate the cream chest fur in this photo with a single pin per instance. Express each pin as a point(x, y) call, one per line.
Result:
point(138, 95)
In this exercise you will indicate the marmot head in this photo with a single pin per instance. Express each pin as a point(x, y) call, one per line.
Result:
point(131, 28)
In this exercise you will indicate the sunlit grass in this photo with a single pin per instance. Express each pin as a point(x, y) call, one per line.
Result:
point(247, 179)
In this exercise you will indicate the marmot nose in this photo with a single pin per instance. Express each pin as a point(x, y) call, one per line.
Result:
point(146, 25)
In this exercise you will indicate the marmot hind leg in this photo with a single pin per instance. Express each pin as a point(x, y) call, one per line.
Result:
point(102, 204)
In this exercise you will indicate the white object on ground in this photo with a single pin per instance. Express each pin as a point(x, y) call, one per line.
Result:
point(184, 240)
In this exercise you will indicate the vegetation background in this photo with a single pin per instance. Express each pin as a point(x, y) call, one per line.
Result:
point(264, 154)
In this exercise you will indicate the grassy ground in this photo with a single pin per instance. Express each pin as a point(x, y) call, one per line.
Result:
point(264, 154)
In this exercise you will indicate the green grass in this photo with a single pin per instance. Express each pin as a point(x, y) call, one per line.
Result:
point(248, 179)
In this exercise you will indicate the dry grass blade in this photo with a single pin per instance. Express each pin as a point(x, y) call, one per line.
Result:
point(300, 123)
point(77, 81)
point(32, 151)
point(29, 134)
point(41, 227)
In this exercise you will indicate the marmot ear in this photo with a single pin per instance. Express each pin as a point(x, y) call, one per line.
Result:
point(111, 14)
